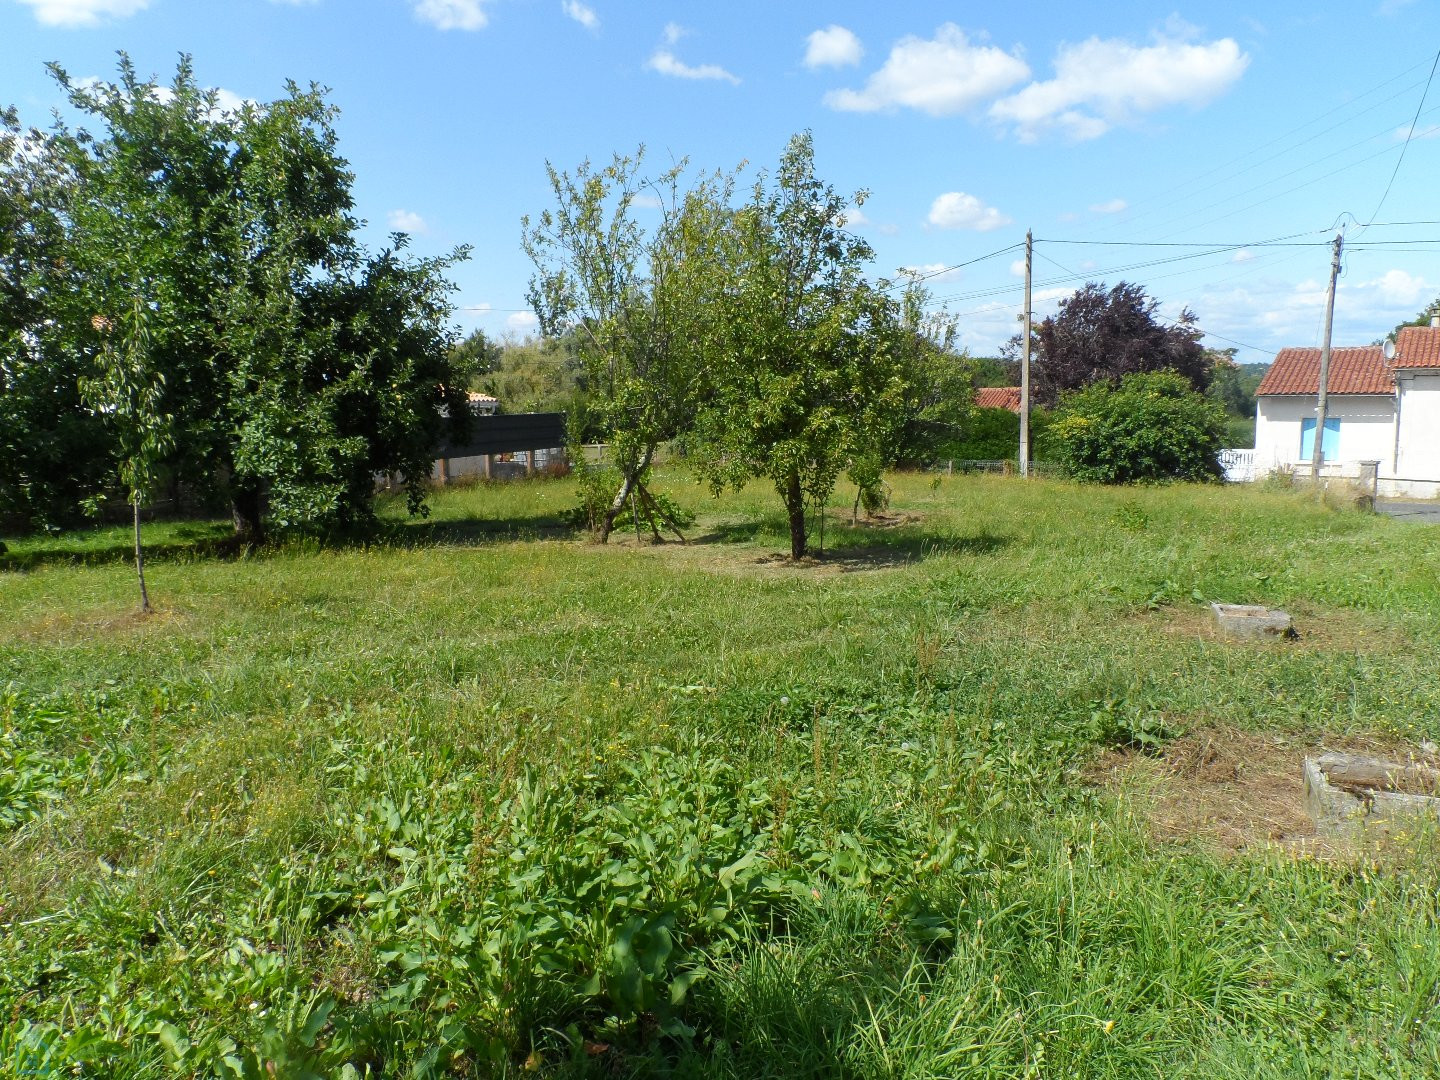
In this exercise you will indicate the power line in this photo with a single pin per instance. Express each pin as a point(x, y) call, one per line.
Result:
point(1175, 322)
point(1129, 218)
point(1399, 161)
point(915, 278)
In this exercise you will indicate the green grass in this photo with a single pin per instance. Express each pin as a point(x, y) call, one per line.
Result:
point(480, 798)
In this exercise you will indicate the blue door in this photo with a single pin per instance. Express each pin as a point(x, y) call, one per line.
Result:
point(1328, 445)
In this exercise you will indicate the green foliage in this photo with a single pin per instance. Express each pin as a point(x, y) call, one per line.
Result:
point(542, 375)
point(54, 451)
point(1422, 318)
point(230, 333)
point(474, 357)
point(804, 352)
point(628, 299)
point(1239, 432)
point(33, 775)
point(1152, 427)
point(938, 379)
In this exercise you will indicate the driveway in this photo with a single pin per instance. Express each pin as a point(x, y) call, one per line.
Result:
point(1427, 510)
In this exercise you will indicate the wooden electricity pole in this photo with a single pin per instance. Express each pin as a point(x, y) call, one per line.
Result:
point(1322, 391)
point(1025, 362)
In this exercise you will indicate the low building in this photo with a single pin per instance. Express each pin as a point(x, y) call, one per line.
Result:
point(1382, 407)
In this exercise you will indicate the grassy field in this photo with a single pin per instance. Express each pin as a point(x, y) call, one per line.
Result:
point(977, 793)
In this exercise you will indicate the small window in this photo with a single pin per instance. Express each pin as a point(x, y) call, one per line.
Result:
point(1328, 445)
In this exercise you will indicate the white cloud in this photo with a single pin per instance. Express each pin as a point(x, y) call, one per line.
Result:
point(1431, 132)
point(83, 13)
point(1017, 268)
point(452, 14)
point(581, 13)
point(1244, 255)
point(852, 217)
point(834, 46)
point(933, 271)
point(523, 322)
point(667, 63)
point(673, 33)
point(1114, 206)
point(647, 201)
point(941, 76)
point(957, 210)
point(407, 221)
point(1273, 313)
point(1099, 84)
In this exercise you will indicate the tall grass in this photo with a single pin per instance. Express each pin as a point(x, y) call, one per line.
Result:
point(479, 798)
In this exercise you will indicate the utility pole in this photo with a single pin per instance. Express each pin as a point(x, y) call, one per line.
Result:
point(1322, 403)
point(1025, 362)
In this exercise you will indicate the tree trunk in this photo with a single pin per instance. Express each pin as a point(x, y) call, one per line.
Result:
point(627, 484)
point(140, 562)
point(795, 508)
point(245, 513)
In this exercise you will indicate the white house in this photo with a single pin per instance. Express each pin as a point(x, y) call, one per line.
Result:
point(1380, 408)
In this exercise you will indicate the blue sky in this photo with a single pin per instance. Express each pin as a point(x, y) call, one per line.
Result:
point(1097, 126)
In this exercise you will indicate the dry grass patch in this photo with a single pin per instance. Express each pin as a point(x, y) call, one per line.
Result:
point(1228, 790)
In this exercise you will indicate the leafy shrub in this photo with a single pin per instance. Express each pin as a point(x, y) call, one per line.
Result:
point(1152, 427)
point(34, 774)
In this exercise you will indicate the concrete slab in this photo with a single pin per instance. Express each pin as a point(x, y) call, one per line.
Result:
point(1250, 621)
point(1350, 794)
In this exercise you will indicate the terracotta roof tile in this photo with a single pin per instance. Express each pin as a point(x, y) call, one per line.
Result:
point(998, 397)
point(1358, 370)
point(1417, 347)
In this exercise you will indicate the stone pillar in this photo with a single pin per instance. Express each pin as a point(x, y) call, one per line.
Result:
point(1370, 481)
point(444, 471)
point(529, 462)
point(489, 466)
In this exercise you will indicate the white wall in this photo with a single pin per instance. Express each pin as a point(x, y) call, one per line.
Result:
point(1419, 397)
point(1367, 430)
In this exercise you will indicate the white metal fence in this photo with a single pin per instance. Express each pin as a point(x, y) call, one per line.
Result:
point(1238, 465)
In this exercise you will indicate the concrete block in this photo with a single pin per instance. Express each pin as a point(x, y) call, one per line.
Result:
point(1347, 794)
point(1252, 621)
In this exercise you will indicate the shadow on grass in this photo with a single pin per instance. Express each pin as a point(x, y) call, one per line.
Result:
point(464, 532)
point(850, 548)
point(191, 544)
point(211, 541)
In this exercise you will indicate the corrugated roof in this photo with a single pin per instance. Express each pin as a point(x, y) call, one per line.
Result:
point(1417, 347)
point(998, 397)
point(1356, 370)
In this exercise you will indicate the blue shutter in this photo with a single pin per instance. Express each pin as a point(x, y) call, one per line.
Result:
point(1329, 445)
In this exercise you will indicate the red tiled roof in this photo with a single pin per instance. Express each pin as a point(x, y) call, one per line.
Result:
point(998, 397)
point(1417, 347)
point(1358, 370)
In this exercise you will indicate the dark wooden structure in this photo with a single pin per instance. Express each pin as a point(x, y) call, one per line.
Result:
point(507, 434)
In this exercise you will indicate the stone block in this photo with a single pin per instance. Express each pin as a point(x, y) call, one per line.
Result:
point(1251, 621)
point(1347, 794)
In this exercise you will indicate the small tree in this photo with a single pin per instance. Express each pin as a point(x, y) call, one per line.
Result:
point(807, 379)
point(129, 388)
point(1152, 427)
point(629, 296)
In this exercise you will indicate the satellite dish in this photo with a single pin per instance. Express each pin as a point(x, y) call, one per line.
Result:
point(1389, 348)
